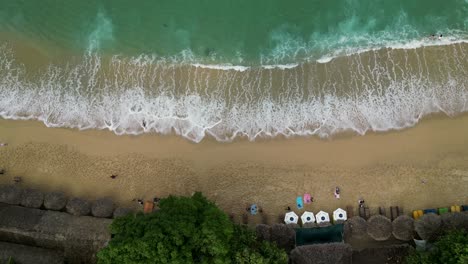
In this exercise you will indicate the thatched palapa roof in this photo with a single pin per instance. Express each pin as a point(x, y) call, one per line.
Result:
point(403, 228)
point(379, 227)
point(428, 226)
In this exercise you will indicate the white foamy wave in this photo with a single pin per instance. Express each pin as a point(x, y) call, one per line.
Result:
point(138, 96)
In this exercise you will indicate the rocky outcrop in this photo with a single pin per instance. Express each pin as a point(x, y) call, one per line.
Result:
point(79, 237)
point(10, 194)
point(29, 255)
point(55, 201)
point(283, 236)
point(337, 253)
point(121, 211)
point(78, 207)
point(103, 208)
point(32, 198)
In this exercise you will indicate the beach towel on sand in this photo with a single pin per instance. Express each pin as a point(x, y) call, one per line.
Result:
point(299, 203)
point(307, 198)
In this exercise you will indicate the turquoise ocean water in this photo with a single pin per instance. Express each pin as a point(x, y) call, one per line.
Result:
point(234, 68)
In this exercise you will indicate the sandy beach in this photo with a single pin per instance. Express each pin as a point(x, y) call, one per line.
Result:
point(384, 168)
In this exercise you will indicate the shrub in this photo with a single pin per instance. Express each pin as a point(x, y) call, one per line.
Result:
point(185, 230)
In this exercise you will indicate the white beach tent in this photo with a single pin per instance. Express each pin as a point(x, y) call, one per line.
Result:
point(291, 218)
point(307, 217)
point(339, 214)
point(322, 217)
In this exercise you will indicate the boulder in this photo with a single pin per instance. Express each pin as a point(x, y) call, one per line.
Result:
point(78, 207)
point(32, 198)
point(121, 211)
point(379, 227)
point(263, 232)
point(355, 227)
point(336, 253)
point(428, 226)
point(283, 236)
point(55, 201)
point(103, 208)
point(10, 194)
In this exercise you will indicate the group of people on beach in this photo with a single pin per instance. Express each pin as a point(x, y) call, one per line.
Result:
point(433, 36)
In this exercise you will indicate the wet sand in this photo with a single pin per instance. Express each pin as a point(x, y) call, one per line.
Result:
point(384, 168)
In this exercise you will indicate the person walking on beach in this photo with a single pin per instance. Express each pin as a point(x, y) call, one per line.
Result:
point(337, 192)
point(3, 144)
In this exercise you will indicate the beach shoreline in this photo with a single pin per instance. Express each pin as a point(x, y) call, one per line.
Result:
point(420, 167)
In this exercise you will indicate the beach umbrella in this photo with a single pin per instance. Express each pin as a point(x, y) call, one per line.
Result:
point(379, 227)
point(291, 218)
point(307, 217)
point(339, 214)
point(428, 226)
point(253, 209)
point(322, 217)
point(403, 228)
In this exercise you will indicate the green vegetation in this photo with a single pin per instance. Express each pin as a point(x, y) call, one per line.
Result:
point(452, 248)
point(186, 230)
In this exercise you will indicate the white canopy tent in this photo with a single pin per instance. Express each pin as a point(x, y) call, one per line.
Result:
point(291, 218)
point(307, 217)
point(339, 214)
point(322, 217)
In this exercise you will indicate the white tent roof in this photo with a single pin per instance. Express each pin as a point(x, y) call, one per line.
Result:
point(339, 214)
point(291, 218)
point(307, 217)
point(322, 217)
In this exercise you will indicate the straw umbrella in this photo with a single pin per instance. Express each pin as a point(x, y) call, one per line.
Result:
point(455, 220)
point(428, 226)
point(403, 228)
point(291, 218)
point(355, 227)
point(379, 227)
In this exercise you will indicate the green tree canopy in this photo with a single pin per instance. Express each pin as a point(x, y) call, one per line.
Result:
point(451, 248)
point(186, 230)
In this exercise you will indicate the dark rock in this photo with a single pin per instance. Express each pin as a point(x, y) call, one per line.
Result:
point(55, 201)
point(27, 254)
point(32, 198)
point(403, 228)
point(10, 194)
point(103, 208)
point(336, 253)
point(120, 211)
point(78, 207)
point(283, 236)
point(263, 232)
